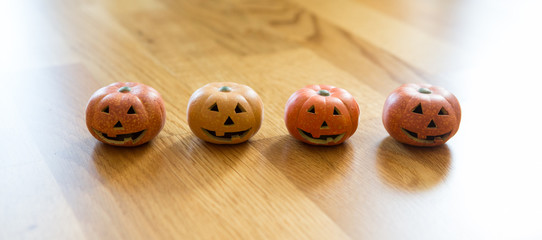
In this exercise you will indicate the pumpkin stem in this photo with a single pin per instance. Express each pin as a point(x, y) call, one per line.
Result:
point(125, 89)
point(324, 93)
point(425, 90)
point(225, 89)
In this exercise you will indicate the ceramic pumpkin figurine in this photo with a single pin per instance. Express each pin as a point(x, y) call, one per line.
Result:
point(125, 114)
point(321, 115)
point(225, 113)
point(421, 115)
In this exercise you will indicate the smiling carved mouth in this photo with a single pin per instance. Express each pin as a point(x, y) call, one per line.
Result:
point(121, 138)
point(228, 136)
point(428, 139)
point(323, 139)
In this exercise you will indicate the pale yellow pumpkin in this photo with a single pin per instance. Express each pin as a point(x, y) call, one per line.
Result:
point(225, 113)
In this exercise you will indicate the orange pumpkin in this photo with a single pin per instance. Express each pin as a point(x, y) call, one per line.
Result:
point(421, 115)
point(321, 115)
point(125, 114)
point(225, 113)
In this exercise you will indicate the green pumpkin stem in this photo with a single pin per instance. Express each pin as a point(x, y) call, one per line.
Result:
point(425, 90)
point(324, 93)
point(125, 89)
point(225, 89)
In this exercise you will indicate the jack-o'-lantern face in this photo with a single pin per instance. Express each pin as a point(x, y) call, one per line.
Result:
point(321, 115)
point(125, 114)
point(225, 113)
point(421, 115)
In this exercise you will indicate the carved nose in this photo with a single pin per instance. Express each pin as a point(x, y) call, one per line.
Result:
point(324, 125)
point(228, 122)
point(432, 124)
point(118, 125)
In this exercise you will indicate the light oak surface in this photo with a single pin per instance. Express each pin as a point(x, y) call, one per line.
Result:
point(58, 182)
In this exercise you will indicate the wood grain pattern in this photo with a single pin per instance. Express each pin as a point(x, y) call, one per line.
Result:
point(58, 182)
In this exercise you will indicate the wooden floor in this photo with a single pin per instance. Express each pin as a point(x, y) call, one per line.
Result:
point(58, 182)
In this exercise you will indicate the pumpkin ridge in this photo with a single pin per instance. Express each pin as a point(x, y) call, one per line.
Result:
point(325, 104)
point(298, 114)
point(305, 101)
point(412, 98)
point(296, 96)
point(288, 109)
point(451, 99)
point(350, 116)
point(313, 87)
point(254, 112)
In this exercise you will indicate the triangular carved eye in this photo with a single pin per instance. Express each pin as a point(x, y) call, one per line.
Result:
point(214, 108)
point(336, 111)
point(311, 109)
point(443, 112)
point(418, 109)
point(131, 110)
point(106, 109)
point(239, 109)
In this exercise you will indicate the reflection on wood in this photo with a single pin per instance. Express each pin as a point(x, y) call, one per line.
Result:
point(412, 168)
